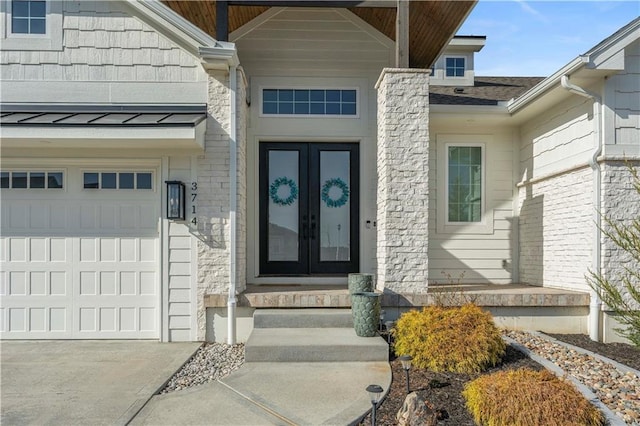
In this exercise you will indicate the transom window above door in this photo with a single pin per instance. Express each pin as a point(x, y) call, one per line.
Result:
point(310, 102)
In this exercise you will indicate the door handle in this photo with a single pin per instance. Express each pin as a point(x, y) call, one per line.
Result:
point(313, 227)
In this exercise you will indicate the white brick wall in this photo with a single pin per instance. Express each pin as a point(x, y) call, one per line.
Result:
point(213, 198)
point(556, 230)
point(403, 180)
point(621, 203)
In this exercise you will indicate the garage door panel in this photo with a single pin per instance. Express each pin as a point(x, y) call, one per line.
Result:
point(104, 319)
point(79, 263)
point(25, 216)
point(37, 322)
point(18, 214)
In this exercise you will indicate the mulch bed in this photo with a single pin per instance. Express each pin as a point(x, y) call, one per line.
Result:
point(444, 390)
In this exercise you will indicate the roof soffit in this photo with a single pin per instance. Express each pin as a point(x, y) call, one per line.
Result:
point(432, 23)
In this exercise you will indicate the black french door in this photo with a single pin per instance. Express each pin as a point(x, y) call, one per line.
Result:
point(309, 208)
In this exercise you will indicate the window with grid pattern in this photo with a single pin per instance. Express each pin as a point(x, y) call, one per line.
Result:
point(454, 67)
point(464, 183)
point(28, 17)
point(341, 102)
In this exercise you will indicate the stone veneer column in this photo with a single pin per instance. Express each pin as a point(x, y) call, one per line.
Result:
point(403, 180)
point(213, 198)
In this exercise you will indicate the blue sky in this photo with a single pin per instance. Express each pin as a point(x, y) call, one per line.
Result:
point(536, 38)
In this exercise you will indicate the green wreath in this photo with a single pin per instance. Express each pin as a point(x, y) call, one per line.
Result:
point(275, 186)
point(338, 183)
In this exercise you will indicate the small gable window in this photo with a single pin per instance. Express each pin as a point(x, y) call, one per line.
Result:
point(31, 25)
point(454, 67)
point(28, 17)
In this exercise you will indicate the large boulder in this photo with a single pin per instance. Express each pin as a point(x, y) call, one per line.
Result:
point(416, 412)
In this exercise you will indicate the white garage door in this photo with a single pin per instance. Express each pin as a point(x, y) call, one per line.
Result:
point(79, 253)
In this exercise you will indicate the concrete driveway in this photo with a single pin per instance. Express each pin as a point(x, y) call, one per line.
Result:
point(83, 382)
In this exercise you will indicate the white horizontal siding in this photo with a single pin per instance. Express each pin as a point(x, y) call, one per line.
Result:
point(468, 255)
point(311, 40)
point(559, 138)
point(181, 271)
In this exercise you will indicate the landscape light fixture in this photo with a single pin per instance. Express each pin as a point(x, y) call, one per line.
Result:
point(175, 199)
point(406, 366)
point(389, 326)
point(375, 393)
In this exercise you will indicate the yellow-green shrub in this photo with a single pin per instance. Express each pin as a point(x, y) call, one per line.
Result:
point(461, 339)
point(526, 397)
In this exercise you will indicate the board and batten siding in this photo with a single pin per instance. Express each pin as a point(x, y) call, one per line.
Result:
point(468, 254)
point(107, 56)
point(313, 48)
point(555, 195)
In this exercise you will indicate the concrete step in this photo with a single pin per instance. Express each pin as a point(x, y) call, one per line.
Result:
point(313, 345)
point(302, 318)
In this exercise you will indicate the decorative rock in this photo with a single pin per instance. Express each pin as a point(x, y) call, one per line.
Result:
point(618, 390)
point(211, 362)
point(416, 412)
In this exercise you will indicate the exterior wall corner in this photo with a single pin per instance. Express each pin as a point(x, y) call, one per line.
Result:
point(403, 180)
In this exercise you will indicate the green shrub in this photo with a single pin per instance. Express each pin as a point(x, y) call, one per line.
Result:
point(460, 339)
point(528, 398)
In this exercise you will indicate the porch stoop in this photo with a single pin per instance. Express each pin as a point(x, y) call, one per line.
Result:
point(513, 306)
point(310, 335)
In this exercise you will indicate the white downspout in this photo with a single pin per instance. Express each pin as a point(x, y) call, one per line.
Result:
point(233, 204)
point(595, 303)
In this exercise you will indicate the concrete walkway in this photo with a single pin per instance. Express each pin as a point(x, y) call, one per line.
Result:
point(109, 383)
point(317, 393)
point(83, 382)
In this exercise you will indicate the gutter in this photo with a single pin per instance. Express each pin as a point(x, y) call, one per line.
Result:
point(222, 51)
point(595, 304)
point(547, 84)
point(233, 204)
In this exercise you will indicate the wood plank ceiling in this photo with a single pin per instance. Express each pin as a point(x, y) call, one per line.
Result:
point(431, 23)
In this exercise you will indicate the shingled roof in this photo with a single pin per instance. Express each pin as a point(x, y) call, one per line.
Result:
point(485, 91)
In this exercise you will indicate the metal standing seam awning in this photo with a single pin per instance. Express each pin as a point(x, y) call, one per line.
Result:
point(107, 126)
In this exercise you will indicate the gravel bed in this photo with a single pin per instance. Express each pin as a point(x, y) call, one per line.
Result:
point(211, 362)
point(618, 390)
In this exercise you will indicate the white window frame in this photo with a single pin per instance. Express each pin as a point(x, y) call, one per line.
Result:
point(444, 226)
point(28, 171)
point(289, 87)
point(117, 172)
point(50, 40)
point(464, 69)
